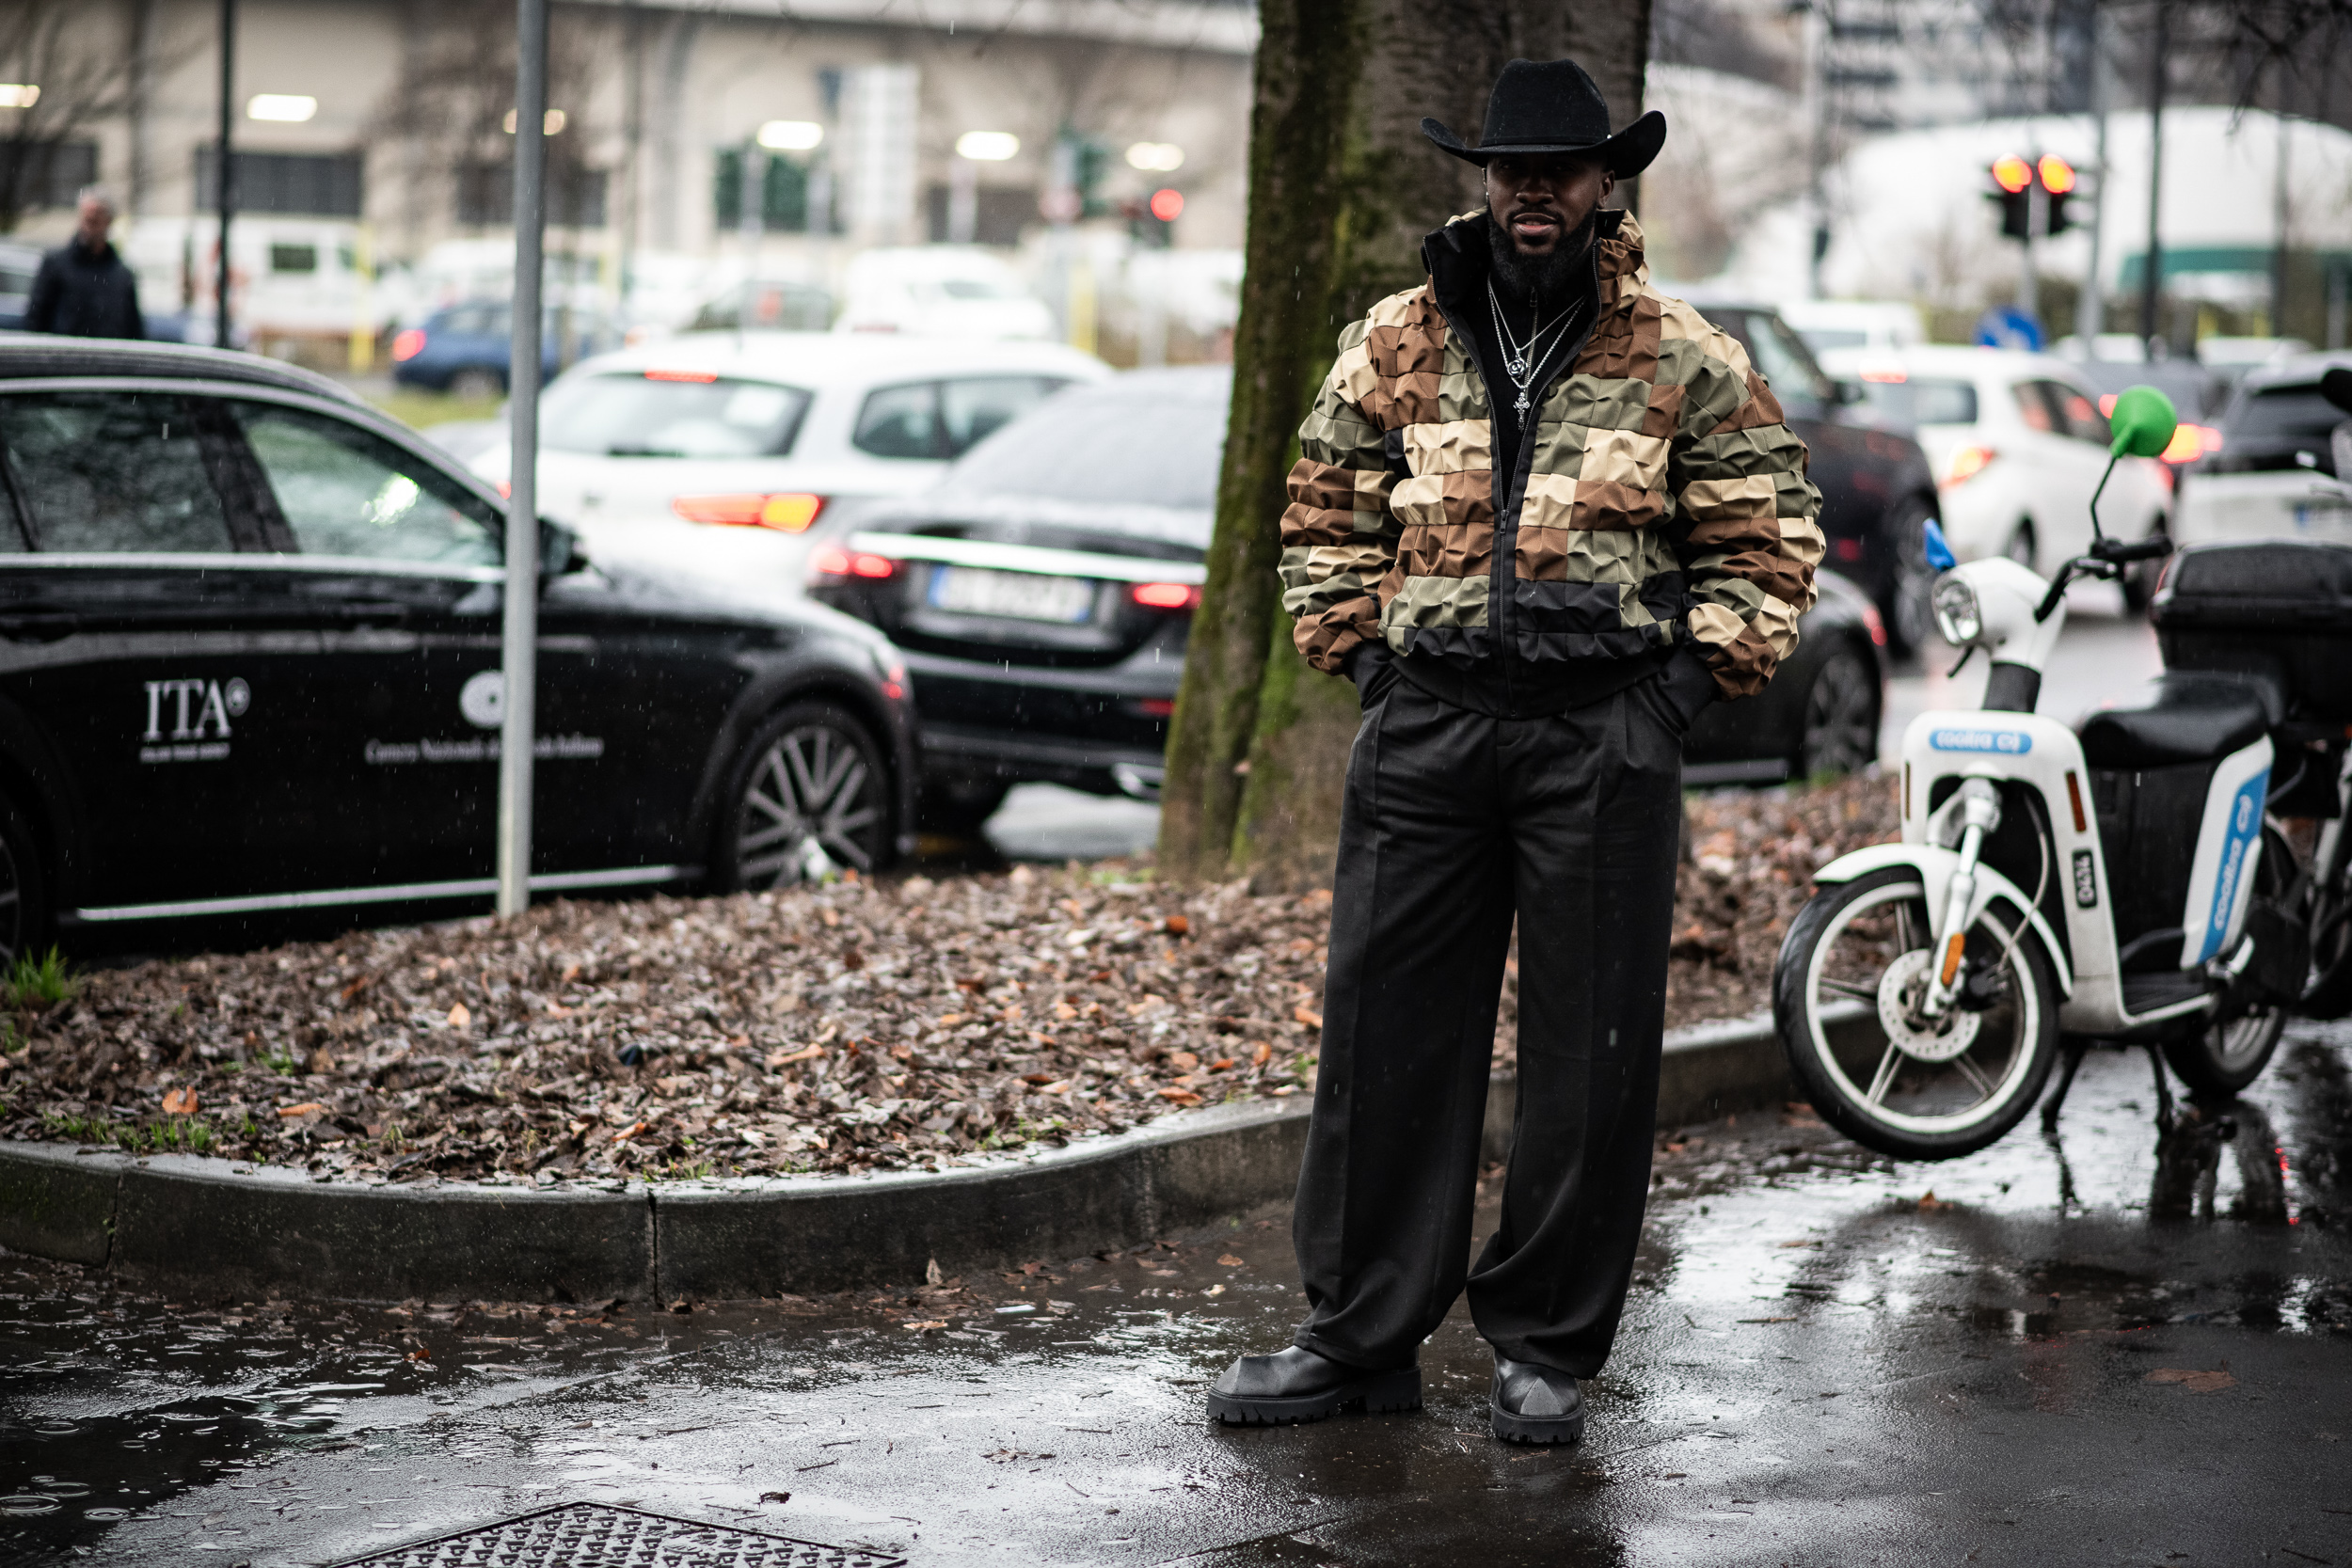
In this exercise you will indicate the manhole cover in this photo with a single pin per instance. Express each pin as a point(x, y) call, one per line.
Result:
point(599, 1535)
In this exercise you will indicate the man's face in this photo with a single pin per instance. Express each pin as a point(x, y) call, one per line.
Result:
point(96, 218)
point(1541, 198)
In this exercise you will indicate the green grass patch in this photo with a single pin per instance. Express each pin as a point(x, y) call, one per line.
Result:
point(38, 982)
point(172, 1135)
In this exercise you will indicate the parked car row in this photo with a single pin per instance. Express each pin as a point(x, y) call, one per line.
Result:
point(249, 628)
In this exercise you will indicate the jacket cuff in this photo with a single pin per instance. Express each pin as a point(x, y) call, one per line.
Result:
point(1689, 683)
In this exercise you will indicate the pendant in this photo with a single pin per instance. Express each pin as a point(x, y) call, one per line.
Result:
point(1521, 405)
point(1516, 366)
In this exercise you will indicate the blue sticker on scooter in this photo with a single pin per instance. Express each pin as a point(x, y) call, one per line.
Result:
point(2245, 821)
point(2011, 743)
point(1940, 554)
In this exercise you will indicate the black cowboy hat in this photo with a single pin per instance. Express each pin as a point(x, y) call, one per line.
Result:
point(1553, 106)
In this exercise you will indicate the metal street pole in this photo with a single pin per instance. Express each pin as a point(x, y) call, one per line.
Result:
point(2152, 280)
point(2090, 315)
point(519, 644)
point(225, 187)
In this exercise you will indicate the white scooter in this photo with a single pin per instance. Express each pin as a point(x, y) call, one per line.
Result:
point(2050, 888)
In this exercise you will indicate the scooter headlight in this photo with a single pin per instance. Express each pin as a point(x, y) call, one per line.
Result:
point(1955, 614)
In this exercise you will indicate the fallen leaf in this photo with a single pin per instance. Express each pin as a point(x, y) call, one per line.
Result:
point(628, 1133)
point(1799, 1243)
point(1308, 1016)
point(926, 1324)
point(179, 1102)
point(764, 1497)
point(1186, 1060)
point(1261, 1054)
point(1036, 1078)
point(358, 986)
point(1213, 1290)
point(1222, 1064)
point(1059, 1086)
point(420, 1354)
point(931, 1275)
point(2193, 1380)
point(945, 1021)
point(806, 1053)
point(308, 1108)
point(1176, 926)
point(1181, 1097)
point(1227, 1261)
point(1931, 1203)
point(459, 1017)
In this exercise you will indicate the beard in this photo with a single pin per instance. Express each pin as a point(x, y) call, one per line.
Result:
point(1553, 276)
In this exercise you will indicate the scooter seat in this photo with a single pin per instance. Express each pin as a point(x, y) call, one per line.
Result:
point(2181, 716)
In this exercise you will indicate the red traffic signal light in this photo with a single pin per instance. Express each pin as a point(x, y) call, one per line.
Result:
point(2057, 175)
point(2011, 173)
point(1168, 205)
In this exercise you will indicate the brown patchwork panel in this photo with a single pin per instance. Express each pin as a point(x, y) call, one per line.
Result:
point(1410, 399)
point(1326, 639)
point(1625, 344)
point(1452, 550)
point(1325, 485)
point(1665, 410)
point(1775, 573)
point(1468, 499)
point(1314, 525)
point(1606, 505)
point(1734, 533)
point(1743, 666)
point(1541, 554)
point(1761, 408)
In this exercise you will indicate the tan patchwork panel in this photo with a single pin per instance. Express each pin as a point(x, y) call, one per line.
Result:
point(1419, 499)
point(1801, 540)
point(1451, 550)
point(1548, 501)
point(1624, 458)
point(1712, 499)
point(1438, 602)
point(1352, 375)
point(1460, 446)
point(1777, 623)
point(1714, 626)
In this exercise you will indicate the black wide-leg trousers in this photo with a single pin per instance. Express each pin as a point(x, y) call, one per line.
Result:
point(1454, 823)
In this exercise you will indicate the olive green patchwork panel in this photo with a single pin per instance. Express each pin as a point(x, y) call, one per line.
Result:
point(1665, 501)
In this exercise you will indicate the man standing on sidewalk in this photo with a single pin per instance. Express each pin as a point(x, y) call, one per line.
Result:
point(1545, 514)
point(83, 290)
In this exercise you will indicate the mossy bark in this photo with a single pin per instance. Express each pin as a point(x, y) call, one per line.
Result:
point(1343, 187)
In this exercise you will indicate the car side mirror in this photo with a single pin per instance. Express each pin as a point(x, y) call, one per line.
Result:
point(1850, 392)
point(2336, 387)
point(2144, 423)
point(559, 551)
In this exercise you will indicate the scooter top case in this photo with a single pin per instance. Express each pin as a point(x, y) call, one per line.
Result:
point(2282, 607)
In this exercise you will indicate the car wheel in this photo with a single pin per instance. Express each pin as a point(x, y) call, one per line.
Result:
point(2142, 577)
point(959, 807)
point(1841, 717)
point(475, 383)
point(2020, 547)
point(810, 793)
point(1909, 610)
point(23, 889)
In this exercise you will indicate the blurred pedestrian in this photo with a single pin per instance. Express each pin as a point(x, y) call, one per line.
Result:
point(83, 289)
point(1543, 514)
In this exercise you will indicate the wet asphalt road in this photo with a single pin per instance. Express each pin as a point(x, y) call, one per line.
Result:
point(1818, 1366)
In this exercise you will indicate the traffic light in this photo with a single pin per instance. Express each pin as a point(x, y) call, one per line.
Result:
point(1151, 220)
point(2058, 180)
point(2013, 176)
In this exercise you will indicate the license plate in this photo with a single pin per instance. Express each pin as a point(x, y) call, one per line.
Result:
point(1019, 596)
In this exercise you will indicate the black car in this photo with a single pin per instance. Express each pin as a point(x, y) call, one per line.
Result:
point(1877, 490)
point(1043, 609)
point(249, 649)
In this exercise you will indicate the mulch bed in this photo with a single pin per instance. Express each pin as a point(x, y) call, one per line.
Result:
point(849, 1028)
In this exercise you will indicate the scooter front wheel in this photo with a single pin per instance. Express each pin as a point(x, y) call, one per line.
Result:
point(1845, 993)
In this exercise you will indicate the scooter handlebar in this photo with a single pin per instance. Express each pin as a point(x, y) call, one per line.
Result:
point(2135, 549)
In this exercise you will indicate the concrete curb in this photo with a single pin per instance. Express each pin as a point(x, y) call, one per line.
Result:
point(212, 1226)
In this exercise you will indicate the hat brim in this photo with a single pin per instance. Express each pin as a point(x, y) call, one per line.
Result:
point(1625, 154)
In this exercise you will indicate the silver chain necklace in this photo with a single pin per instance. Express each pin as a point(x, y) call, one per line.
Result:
point(1516, 353)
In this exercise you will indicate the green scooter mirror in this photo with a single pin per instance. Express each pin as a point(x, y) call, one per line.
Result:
point(2143, 423)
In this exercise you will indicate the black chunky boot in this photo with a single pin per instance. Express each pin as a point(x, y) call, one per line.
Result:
point(1535, 1404)
point(1294, 1385)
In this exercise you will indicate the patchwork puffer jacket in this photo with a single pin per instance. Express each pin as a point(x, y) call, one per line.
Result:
point(1659, 500)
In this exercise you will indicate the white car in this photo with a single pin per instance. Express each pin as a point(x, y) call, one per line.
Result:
point(941, 291)
point(1829, 325)
point(2018, 443)
point(717, 451)
point(2282, 468)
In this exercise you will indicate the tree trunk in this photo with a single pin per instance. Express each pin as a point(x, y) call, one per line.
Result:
point(1342, 186)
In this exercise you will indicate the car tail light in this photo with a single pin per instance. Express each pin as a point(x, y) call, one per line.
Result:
point(1156, 707)
point(831, 561)
point(788, 513)
point(506, 490)
point(1878, 627)
point(1848, 549)
point(407, 345)
point(1166, 596)
point(2192, 442)
point(700, 376)
point(1965, 465)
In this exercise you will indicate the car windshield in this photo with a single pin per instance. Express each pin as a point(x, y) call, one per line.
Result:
point(1918, 399)
point(670, 414)
point(1821, 340)
point(1090, 446)
point(2285, 414)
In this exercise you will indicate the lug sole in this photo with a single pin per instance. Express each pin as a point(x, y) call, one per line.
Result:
point(1540, 1429)
point(1373, 1394)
